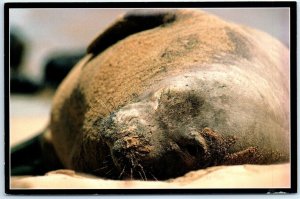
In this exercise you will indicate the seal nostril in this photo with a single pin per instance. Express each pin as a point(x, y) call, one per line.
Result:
point(193, 150)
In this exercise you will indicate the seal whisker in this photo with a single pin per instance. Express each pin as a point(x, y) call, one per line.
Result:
point(153, 176)
point(141, 176)
point(131, 173)
point(101, 168)
point(108, 172)
point(142, 169)
point(105, 161)
point(131, 161)
point(122, 172)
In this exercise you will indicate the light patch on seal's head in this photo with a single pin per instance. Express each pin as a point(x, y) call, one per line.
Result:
point(139, 110)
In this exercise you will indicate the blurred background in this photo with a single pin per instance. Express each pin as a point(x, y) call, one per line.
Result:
point(46, 43)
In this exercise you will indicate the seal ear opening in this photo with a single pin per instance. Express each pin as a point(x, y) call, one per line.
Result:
point(131, 23)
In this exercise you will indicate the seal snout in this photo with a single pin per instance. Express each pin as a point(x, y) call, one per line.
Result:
point(129, 155)
point(136, 158)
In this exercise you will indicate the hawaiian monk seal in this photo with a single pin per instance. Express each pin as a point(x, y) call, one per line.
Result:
point(186, 92)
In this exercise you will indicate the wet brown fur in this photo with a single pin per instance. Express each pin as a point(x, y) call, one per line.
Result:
point(103, 83)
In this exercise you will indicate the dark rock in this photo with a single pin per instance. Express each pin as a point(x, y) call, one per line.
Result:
point(17, 49)
point(59, 65)
point(21, 84)
point(33, 164)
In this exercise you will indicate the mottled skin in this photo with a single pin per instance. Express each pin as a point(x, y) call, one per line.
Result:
point(193, 92)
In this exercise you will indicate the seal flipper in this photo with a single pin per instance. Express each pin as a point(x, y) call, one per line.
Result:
point(131, 23)
point(26, 158)
point(35, 156)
